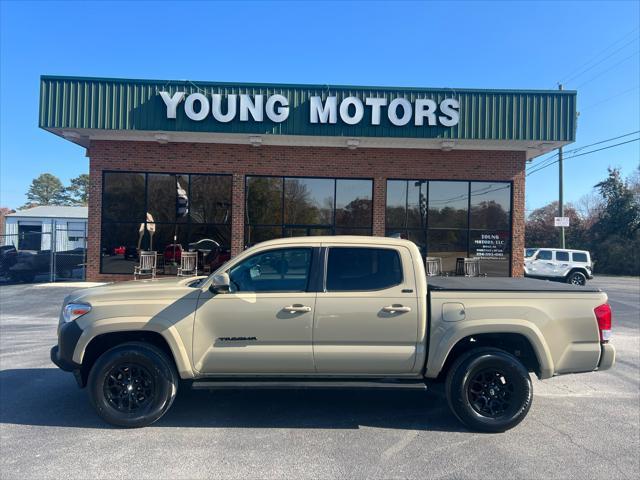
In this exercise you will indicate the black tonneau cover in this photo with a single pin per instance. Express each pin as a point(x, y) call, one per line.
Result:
point(502, 284)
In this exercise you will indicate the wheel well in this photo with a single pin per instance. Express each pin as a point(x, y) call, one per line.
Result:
point(101, 343)
point(516, 344)
point(578, 269)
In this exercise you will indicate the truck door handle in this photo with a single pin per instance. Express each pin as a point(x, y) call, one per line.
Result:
point(297, 308)
point(396, 309)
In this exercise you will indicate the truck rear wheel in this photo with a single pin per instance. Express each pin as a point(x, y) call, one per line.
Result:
point(132, 385)
point(489, 390)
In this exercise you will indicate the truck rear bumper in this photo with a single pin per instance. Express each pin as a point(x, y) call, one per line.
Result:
point(608, 357)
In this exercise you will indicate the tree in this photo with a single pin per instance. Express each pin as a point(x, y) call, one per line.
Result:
point(47, 189)
point(621, 212)
point(78, 190)
point(540, 230)
point(616, 233)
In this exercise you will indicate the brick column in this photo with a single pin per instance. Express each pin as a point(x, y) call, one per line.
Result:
point(237, 215)
point(379, 205)
point(517, 229)
point(94, 221)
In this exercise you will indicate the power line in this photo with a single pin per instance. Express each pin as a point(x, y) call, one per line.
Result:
point(584, 153)
point(601, 61)
point(609, 98)
point(608, 69)
point(541, 161)
point(574, 150)
point(600, 53)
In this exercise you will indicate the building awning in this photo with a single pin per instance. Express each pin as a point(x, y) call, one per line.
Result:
point(84, 109)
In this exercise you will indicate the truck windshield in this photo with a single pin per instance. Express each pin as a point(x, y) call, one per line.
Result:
point(528, 252)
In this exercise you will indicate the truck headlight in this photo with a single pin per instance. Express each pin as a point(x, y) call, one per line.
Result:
point(72, 311)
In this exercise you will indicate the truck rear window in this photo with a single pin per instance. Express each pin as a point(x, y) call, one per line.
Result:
point(360, 269)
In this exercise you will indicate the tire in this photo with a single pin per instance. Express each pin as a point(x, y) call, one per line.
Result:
point(577, 278)
point(489, 390)
point(124, 370)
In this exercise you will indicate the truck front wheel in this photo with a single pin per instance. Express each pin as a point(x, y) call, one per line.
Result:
point(489, 390)
point(132, 385)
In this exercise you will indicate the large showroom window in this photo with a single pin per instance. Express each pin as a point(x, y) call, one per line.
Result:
point(454, 219)
point(290, 207)
point(165, 213)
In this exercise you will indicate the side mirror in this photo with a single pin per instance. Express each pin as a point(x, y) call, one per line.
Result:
point(220, 283)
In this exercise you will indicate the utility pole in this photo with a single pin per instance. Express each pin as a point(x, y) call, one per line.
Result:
point(560, 192)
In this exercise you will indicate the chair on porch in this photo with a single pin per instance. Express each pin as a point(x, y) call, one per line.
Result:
point(146, 265)
point(188, 264)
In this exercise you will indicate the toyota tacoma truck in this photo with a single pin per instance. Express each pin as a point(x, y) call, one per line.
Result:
point(330, 312)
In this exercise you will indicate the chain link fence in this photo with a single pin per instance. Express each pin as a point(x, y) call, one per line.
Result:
point(33, 255)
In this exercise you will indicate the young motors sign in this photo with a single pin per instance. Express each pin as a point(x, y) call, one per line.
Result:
point(83, 108)
point(350, 110)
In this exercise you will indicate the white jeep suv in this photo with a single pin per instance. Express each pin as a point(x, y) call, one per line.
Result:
point(572, 266)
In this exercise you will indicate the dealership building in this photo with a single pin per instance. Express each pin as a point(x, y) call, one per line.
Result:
point(176, 162)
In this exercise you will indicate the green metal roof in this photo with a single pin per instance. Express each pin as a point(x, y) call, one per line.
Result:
point(135, 105)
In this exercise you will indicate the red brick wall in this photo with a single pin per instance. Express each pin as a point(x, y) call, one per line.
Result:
point(241, 160)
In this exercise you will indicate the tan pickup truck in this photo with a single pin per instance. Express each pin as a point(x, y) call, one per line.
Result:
point(330, 312)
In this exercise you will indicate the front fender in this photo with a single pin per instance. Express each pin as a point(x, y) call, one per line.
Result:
point(438, 352)
point(127, 324)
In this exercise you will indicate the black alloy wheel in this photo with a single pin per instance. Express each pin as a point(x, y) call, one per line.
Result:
point(490, 393)
point(577, 278)
point(489, 390)
point(132, 385)
point(129, 387)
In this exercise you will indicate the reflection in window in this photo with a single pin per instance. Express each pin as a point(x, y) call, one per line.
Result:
point(448, 204)
point(351, 269)
point(435, 216)
point(287, 207)
point(490, 205)
point(123, 197)
point(417, 203)
point(354, 205)
point(308, 201)
point(396, 213)
point(143, 212)
point(210, 200)
point(283, 270)
point(264, 200)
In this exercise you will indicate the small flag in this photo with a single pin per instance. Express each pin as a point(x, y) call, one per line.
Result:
point(182, 201)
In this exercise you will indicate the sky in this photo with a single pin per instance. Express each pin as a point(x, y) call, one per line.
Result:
point(592, 47)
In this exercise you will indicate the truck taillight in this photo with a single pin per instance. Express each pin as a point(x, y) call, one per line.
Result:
point(603, 315)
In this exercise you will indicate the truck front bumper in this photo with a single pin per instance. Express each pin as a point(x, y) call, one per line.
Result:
point(607, 357)
point(62, 353)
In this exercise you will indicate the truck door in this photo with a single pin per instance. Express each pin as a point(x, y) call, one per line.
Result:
point(366, 318)
point(264, 324)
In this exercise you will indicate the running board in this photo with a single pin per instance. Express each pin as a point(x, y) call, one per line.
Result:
point(226, 384)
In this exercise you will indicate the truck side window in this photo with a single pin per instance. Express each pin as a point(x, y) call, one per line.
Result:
point(360, 269)
point(562, 256)
point(282, 270)
point(579, 257)
point(544, 255)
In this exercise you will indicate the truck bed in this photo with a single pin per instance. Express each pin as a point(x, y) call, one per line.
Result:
point(502, 284)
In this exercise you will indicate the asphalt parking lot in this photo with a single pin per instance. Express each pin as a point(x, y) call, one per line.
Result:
point(580, 426)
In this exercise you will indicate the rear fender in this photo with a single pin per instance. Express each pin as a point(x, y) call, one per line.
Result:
point(439, 352)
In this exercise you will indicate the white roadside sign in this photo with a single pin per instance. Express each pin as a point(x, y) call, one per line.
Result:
point(560, 221)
